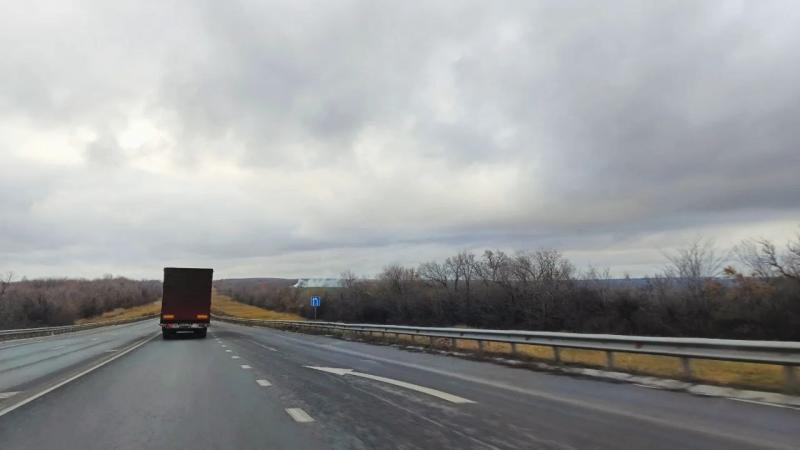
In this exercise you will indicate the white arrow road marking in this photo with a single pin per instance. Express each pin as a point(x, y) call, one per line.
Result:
point(299, 415)
point(264, 383)
point(333, 370)
point(7, 394)
point(414, 387)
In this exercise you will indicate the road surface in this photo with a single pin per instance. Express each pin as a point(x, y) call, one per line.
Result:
point(255, 388)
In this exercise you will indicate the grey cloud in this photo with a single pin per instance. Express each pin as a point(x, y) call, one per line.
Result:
point(300, 130)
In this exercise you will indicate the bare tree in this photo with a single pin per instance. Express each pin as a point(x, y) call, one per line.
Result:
point(468, 266)
point(349, 279)
point(435, 273)
point(453, 265)
point(398, 278)
point(759, 256)
point(494, 267)
point(765, 261)
point(5, 282)
point(698, 260)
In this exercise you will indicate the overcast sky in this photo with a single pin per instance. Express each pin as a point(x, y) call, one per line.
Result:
point(304, 138)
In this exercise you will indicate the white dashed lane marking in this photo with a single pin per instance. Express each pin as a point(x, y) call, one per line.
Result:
point(264, 383)
point(234, 357)
point(10, 394)
point(299, 415)
point(245, 366)
point(228, 351)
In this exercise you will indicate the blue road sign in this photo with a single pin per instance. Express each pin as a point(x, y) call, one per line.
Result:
point(315, 301)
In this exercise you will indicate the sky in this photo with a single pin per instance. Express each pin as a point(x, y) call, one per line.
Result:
point(300, 139)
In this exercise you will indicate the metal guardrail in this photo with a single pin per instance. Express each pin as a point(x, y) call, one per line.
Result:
point(782, 353)
point(48, 331)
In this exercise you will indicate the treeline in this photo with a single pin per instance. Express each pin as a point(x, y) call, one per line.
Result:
point(696, 294)
point(51, 302)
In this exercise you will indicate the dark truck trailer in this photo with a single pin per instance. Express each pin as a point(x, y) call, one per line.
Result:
point(186, 301)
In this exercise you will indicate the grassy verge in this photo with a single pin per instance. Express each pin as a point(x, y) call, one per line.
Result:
point(730, 373)
point(224, 305)
point(124, 313)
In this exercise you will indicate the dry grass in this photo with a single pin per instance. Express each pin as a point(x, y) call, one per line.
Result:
point(124, 313)
point(765, 376)
point(738, 373)
point(467, 344)
point(536, 351)
point(226, 306)
point(665, 366)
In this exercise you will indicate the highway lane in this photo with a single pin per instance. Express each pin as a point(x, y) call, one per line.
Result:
point(515, 407)
point(195, 393)
point(27, 365)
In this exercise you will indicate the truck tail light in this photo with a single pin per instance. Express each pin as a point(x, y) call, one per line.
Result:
point(168, 316)
point(202, 316)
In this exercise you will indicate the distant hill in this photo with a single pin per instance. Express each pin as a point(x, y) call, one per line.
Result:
point(248, 282)
point(336, 282)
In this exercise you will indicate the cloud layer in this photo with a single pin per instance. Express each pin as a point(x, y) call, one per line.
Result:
point(299, 138)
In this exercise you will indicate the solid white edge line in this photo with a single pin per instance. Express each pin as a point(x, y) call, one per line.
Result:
point(245, 366)
point(756, 402)
point(75, 377)
point(299, 415)
point(264, 383)
point(648, 386)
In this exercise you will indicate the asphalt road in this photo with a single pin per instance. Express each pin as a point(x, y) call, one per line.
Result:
point(246, 388)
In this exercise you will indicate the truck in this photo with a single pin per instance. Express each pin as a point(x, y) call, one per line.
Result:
point(186, 301)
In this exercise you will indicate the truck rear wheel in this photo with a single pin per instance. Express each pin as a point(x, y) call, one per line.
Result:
point(166, 334)
point(201, 333)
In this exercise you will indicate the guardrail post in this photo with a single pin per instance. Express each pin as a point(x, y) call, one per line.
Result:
point(430, 341)
point(609, 359)
point(790, 379)
point(687, 367)
point(556, 354)
point(453, 345)
point(514, 349)
point(480, 347)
